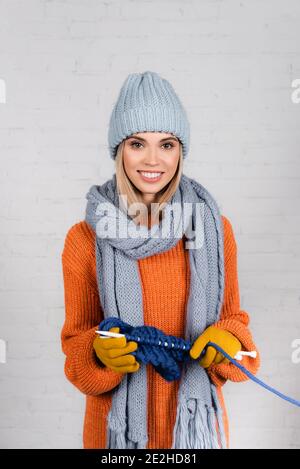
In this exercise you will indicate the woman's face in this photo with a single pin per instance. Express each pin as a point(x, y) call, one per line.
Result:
point(150, 161)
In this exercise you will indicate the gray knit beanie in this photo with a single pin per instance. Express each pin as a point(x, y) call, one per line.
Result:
point(147, 102)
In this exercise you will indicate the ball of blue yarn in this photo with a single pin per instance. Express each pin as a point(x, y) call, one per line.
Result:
point(165, 352)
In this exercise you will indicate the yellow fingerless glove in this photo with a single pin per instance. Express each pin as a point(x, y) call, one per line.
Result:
point(115, 353)
point(229, 343)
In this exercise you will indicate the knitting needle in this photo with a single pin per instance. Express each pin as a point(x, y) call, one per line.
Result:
point(252, 354)
point(238, 356)
point(109, 334)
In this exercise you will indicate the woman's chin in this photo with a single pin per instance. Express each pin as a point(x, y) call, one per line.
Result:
point(149, 188)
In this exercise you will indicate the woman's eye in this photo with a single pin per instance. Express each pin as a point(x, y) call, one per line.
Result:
point(135, 143)
point(139, 143)
point(169, 143)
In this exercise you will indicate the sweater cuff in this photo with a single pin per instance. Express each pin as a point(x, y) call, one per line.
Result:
point(219, 373)
point(85, 371)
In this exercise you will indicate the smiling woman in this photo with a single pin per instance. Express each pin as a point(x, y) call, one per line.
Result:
point(148, 170)
point(158, 281)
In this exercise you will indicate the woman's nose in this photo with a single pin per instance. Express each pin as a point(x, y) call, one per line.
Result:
point(152, 157)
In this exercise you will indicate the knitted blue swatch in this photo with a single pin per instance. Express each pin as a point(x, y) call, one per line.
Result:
point(164, 352)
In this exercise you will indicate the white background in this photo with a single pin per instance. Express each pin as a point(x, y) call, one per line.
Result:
point(232, 64)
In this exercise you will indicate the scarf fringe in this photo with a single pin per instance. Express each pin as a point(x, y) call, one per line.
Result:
point(119, 438)
point(115, 431)
point(195, 426)
point(219, 416)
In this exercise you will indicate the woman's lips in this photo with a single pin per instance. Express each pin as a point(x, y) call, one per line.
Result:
point(147, 179)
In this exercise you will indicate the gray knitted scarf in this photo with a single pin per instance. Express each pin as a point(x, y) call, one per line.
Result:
point(199, 412)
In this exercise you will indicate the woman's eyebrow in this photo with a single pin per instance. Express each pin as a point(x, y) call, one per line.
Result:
point(162, 140)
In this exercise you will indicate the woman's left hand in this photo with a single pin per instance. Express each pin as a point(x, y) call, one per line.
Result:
point(229, 343)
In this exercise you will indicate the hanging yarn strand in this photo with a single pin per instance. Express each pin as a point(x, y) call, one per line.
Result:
point(167, 352)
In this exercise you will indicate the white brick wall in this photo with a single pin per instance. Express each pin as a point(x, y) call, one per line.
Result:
point(63, 62)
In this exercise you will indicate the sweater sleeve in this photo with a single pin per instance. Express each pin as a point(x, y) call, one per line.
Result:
point(232, 318)
point(83, 314)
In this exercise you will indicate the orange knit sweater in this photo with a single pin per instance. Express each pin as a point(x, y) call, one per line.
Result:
point(165, 285)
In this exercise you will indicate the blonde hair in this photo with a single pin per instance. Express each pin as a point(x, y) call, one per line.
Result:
point(133, 195)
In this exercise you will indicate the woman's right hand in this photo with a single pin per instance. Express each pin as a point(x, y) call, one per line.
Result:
point(115, 352)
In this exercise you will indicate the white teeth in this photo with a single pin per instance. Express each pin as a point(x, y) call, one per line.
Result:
point(150, 175)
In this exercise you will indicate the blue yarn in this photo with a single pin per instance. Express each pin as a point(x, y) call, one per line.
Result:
point(166, 352)
point(166, 359)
